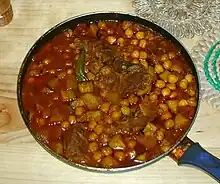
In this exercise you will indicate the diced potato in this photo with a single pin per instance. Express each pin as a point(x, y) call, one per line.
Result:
point(71, 83)
point(180, 121)
point(91, 101)
point(119, 155)
point(107, 151)
point(150, 129)
point(68, 95)
point(53, 83)
point(113, 97)
point(160, 135)
point(86, 87)
point(40, 122)
point(141, 158)
point(59, 148)
point(99, 129)
point(56, 116)
point(96, 115)
point(172, 104)
point(166, 115)
point(93, 29)
point(117, 143)
point(109, 162)
point(164, 75)
point(79, 111)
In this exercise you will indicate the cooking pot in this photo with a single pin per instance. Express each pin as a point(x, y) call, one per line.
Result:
point(184, 152)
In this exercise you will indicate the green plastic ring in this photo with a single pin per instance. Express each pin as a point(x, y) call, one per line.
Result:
point(214, 82)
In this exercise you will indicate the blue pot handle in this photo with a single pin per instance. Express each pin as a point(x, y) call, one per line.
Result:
point(190, 153)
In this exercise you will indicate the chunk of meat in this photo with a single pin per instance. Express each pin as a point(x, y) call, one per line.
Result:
point(76, 144)
point(131, 126)
point(136, 80)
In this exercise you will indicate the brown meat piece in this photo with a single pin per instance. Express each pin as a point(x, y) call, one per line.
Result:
point(131, 126)
point(136, 79)
point(76, 143)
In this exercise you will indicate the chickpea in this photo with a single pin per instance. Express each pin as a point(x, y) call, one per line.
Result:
point(160, 84)
point(72, 119)
point(125, 110)
point(119, 155)
point(93, 146)
point(104, 138)
point(158, 68)
point(191, 91)
point(93, 136)
point(46, 61)
point(105, 70)
point(134, 42)
point(107, 151)
point(79, 111)
point(135, 54)
point(167, 64)
point(192, 102)
point(90, 76)
point(144, 63)
point(168, 124)
point(105, 107)
point(164, 107)
point(108, 119)
point(97, 156)
point(173, 94)
point(165, 92)
point(132, 99)
point(129, 32)
point(120, 41)
point(139, 35)
point(165, 148)
point(126, 25)
point(132, 144)
point(172, 79)
point(135, 61)
point(183, 102)
point(101, 25)
point(125, 102)
point(69, 71)
point(142, 43)
point(131, 154)
point(92, 124)
point(164, 57)
point(65, 124)
point(189, 78)
point(111, 39)
point(116, 115)
point(159, 135)
point(143, 55)
point(171, 86)
point(171, 55)
point(99, 129)
point(113, 108)
point(166, 115)
point(183, 84)
point(41, 121)
point(153, 97)
point(103, 93)
point(59, 148)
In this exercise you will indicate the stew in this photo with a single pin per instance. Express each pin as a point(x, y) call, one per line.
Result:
point(109, 94)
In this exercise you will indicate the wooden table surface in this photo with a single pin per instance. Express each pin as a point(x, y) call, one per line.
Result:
point(22, 160)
